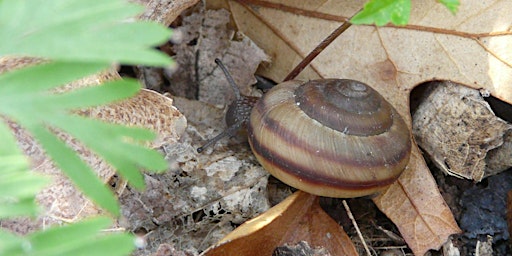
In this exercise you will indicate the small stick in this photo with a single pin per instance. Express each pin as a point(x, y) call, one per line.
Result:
point(351, 217)
point(318, 49)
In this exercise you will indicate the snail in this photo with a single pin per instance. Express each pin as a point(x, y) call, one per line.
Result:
point(330, 137)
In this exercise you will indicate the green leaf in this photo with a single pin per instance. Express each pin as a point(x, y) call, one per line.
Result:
point(117, 144)
point(452, 5)
point(18, 207)
point(81, 174)
point(82, 238)
point(8, 242)
point(10, 184)
point(76, 38)
point(382, 12)
point(33, 80)
point(96, 95)
point(17, 185)
point(38, 107)
point(77, 30)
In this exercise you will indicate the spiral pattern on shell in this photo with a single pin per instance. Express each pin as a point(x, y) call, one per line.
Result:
point(331, 137)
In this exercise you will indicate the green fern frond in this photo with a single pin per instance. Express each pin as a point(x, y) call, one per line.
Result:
point(76, 38)
point(17, 188)
point(83, 238)
point(81, 31)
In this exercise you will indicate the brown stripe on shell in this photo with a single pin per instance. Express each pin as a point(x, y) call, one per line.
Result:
point(313, 176)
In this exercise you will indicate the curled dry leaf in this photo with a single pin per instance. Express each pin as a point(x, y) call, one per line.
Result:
point(147, 109)
point(471, 48)
point(164, 11)
point(457, 128)
point(297, 218)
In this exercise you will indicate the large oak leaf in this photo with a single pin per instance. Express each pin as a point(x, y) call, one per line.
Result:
point(471, 48)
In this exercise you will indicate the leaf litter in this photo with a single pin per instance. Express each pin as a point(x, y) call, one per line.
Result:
point(202, 197)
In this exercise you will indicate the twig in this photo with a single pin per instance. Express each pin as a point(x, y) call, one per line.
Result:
point(351, 217)
point(318, 49)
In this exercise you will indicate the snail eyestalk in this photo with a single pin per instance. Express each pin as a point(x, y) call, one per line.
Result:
point(231, 81)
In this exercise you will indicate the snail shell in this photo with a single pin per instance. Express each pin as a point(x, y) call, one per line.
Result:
point(330, 137)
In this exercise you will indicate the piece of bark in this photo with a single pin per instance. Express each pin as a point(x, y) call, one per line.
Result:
point(456, 127)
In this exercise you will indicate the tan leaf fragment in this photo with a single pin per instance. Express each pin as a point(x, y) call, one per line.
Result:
point(457, 128)
point(147, 109)
point(415, 205)
point(298, 218)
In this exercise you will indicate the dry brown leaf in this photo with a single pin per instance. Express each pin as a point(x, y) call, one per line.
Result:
point(471, 48)
point(298, 218)
point(417, 208)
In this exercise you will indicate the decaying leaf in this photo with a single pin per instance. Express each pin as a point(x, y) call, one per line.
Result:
point(202, 196)
point(457, 127)
point(471, 48)
point(206, 36)
point(298, 218)
point(500, 159)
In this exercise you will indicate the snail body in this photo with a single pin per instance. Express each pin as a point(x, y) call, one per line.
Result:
point(329, 137)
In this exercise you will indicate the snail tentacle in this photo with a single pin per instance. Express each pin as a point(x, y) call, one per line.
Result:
point(238, 112)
